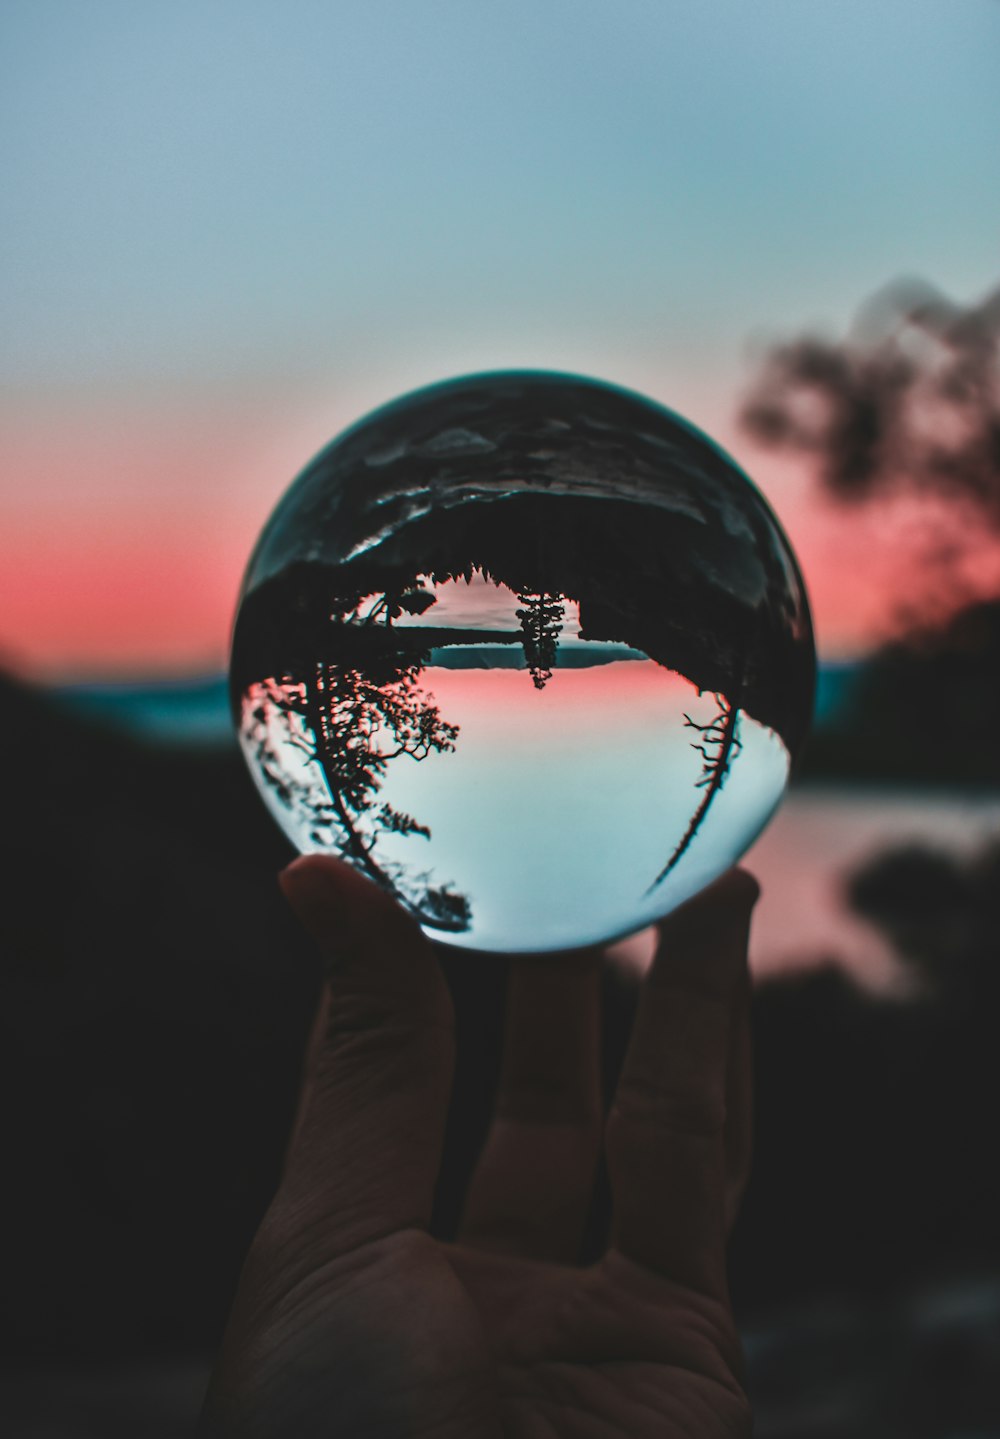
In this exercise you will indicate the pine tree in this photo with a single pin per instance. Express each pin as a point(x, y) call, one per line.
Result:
point(541, 624)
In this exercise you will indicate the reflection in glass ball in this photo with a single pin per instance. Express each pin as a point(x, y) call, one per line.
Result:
point(528, 650)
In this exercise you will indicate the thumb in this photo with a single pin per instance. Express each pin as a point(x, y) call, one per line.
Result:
point(364, 1157)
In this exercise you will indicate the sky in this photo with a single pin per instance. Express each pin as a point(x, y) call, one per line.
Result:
point(230, 228)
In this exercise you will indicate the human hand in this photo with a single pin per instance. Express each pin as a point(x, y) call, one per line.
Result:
point(351, 1320)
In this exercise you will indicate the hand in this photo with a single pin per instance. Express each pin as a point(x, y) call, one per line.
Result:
point(351, 1321)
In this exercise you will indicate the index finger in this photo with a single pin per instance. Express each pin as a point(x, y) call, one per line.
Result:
point(364, 1157)
point(666, 1134)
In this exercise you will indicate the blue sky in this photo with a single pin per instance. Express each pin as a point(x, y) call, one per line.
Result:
point(230, 186)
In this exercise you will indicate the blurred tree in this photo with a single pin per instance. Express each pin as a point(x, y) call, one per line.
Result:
point(910, 402)
point(908, 407)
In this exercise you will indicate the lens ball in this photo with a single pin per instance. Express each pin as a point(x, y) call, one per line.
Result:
point(528, 650)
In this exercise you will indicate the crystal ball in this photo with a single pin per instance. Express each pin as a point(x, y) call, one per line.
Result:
point(528, 650)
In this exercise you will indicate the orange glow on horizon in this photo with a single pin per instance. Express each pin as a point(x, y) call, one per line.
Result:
point(125, 536)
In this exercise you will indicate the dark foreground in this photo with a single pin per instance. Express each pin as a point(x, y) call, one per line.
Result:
point(154, 996)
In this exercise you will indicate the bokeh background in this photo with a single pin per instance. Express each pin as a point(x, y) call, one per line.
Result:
point(231, 228)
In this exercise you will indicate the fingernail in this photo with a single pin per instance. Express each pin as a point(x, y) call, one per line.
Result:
point(314, 883)
point(750, 889)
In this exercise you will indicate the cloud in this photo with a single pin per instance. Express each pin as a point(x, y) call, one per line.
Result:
point(908, 403)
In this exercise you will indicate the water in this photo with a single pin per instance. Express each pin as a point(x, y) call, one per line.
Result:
point(820, 836)
point(188, 712)
point(529, 652)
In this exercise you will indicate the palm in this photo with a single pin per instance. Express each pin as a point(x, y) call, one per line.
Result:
point(513, 1348)
point(351, 1319)
point(575, 1352)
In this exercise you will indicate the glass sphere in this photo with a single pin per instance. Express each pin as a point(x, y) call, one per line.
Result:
point(531, 652)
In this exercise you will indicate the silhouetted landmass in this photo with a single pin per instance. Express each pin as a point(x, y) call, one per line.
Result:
point(923, 709)
point(154, 999)
point(873, 1118)
point(154, 996)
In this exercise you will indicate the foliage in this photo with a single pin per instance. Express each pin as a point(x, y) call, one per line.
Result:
point(349, 725)
point(541, 624)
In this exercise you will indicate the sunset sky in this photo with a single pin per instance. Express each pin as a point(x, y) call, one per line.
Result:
point(230, 228)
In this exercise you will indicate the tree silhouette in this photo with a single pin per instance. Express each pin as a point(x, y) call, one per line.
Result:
point(906, 407)
point(541, 624)
point(718, 744)
point(350, 723)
